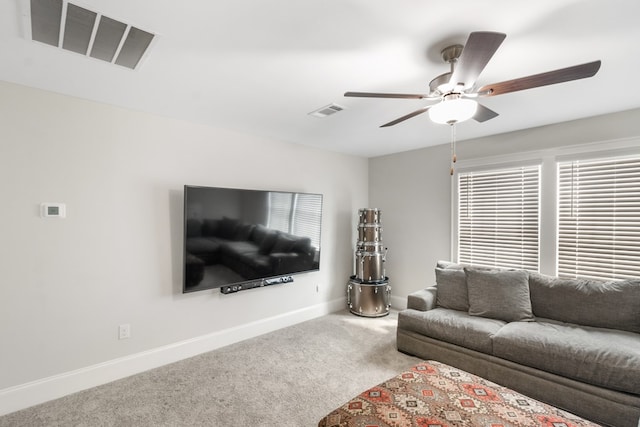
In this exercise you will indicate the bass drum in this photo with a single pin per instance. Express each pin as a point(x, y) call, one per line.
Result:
point(370, 216)
point(368, 300)
point(370, 266)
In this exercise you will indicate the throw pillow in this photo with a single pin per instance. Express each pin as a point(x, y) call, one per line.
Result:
point(283, 244)
point(227, 228)
point(452, 289)
point(243, 232)
point(589, 302)
point(267, 243)
point(499, 294)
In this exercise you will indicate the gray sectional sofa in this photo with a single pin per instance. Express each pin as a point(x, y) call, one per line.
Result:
point(572, 343)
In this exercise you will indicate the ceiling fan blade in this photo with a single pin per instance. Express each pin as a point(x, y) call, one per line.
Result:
point(408, 116)
point(576, 72)
point(480, 47)
point(483, 114)
point(385, 95)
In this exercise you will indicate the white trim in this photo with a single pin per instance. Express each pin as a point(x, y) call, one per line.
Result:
point(626, 145)
point(486, 167)
point(56, 386)
point(398, 303)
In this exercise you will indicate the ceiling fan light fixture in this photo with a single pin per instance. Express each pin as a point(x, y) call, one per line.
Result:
point(453, 109)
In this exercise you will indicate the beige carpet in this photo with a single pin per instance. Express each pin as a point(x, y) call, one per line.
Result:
point(291, 377)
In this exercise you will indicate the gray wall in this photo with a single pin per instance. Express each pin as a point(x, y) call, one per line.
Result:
point(412, 189)
point(66, 284)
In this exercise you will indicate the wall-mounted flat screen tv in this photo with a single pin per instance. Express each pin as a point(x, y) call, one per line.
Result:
point(235, 236)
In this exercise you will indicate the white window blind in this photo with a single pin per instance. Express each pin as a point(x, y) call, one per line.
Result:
point(280, 211)
point(307, 216)
point(498, 218)
point(296, 213)
point(599, 218)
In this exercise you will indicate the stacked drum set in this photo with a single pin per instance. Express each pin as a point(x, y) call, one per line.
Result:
point(368, 290)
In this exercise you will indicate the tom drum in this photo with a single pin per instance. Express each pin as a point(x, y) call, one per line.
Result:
point(370, 216)
point(369, 233)
point(370, 266)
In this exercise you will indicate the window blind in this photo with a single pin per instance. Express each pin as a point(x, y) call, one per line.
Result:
point(599, 218)
point(296, 213)
point(307, 217)
point(280, 211)
point(498, 218)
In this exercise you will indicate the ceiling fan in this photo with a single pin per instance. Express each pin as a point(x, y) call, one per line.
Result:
point(456, 90)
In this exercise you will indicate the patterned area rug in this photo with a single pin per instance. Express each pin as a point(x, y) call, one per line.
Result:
point(432, 394)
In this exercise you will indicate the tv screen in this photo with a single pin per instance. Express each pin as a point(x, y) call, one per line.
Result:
point(253, 237)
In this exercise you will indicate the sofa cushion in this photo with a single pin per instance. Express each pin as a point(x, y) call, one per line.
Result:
point(602, 357)
point(604, 304)
point(455, 327)
point(452, 289)
point(499, 294)
point(303, 246)
point(240, 249)
point(449, 264)
point(259, 233)
point(283, 243)
point(227, 228)
point(202, 245)
point(243, 231)
point(267, 243)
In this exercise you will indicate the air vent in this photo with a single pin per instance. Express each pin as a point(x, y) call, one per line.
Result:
point(67, 26)
point(327, 110)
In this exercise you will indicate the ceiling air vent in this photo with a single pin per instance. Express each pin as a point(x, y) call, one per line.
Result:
point(327, 110)
point(62, 24)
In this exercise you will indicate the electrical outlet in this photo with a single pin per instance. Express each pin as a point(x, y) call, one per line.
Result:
point(124, 331)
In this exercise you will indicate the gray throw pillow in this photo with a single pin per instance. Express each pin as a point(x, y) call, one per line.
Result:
point(589, 302)
point(452, 289)
point(499, 294)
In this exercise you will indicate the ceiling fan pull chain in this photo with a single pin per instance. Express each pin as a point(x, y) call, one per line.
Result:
point(453, 146)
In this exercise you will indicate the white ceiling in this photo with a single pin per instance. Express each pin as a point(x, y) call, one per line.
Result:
point(259, 67)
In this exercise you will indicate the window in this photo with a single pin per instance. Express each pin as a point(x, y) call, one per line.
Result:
point(280, 211)
point(296, 213)
point(307, 217)
point(599, 218)
point(498, 217)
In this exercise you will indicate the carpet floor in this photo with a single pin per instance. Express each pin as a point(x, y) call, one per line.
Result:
point(290, 377)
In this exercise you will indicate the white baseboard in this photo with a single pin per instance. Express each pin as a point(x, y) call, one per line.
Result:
point(398, 303)
point(25, 395)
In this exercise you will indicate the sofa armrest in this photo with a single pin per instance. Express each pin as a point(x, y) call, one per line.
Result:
point(423, 300)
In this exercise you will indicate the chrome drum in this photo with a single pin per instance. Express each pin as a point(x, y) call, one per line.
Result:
point(370, 216)
point(369, 233)
point(370, 266)
point(370, 247)
point(367, 299)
